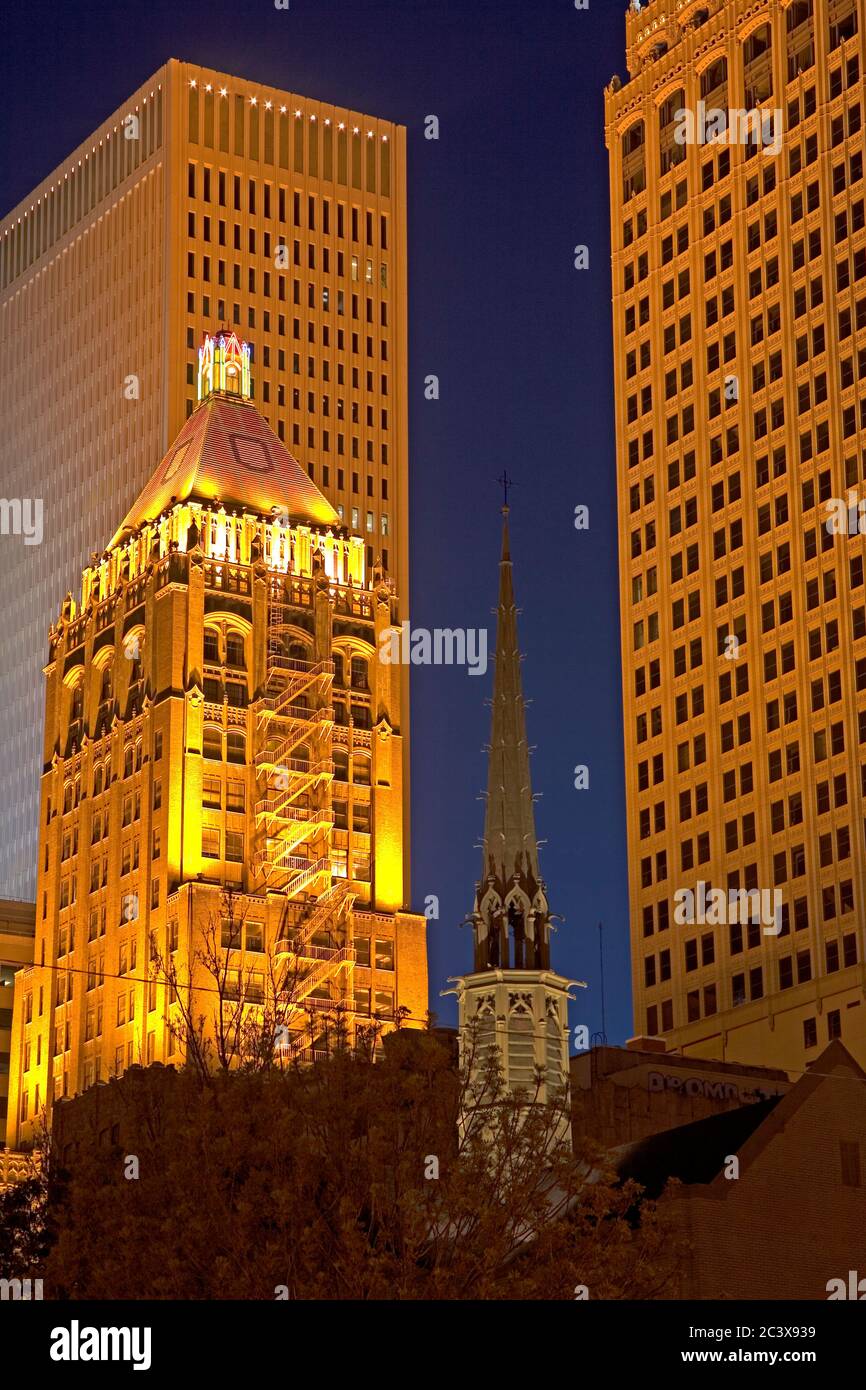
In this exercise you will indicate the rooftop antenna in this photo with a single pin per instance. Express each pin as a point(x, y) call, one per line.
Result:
point(603, 1036)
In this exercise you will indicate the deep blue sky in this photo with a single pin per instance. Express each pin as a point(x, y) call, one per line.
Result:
point(520, 341)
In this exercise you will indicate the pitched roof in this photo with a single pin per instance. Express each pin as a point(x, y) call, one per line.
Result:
point(510, 845)
point(227, 451)
point(696, 1153)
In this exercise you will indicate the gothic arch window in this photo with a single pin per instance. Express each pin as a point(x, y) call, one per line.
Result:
point(521, 1041)
point(555, 1071)
point(77, 703)
point(67, 797)
point(485, 1030)
point(341, 765)
point(128, 760)
point(97, 780)
point(106, 685)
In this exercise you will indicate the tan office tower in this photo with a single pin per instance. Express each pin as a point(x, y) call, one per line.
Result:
point(203, 199)
point(739, 311)
point(221, 834)
point(17, 930)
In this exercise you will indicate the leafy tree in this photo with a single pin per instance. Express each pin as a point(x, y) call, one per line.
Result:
point(349, 1179)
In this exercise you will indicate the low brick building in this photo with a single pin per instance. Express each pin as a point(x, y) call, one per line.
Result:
point(622, 1094)
point(789, 1215)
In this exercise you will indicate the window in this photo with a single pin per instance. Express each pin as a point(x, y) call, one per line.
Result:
point(213, 743)
point(210, 842)
point(384, 955)
point(235, 650)
point(211, 793)
point(384, 1003)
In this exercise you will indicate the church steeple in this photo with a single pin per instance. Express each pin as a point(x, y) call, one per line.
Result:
point(511, 916)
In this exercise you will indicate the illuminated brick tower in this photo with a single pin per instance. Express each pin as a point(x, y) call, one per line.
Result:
point(513, 1001)
point(222, 771)
point(739, 315)
point(203, 199)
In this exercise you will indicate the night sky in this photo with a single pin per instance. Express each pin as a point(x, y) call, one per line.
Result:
point(521, 343)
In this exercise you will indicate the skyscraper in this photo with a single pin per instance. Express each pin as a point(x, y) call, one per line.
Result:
point(221, 827)
point(739, 316)
point(203, 199)
point(513, 1001)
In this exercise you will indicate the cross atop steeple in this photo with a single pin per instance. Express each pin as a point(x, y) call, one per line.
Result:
point(505, 483)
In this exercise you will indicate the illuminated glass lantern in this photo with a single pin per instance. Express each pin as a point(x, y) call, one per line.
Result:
point(224, 365)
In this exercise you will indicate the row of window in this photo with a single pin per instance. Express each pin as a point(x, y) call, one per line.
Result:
point(321, 216)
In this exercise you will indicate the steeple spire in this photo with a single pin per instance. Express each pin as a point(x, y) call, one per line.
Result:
point(511, 912)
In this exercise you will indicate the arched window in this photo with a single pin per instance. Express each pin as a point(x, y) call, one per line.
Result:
point(714, 84)
point(361, 769)
point(212, 646)
point(800, 41)
point(757, 66)
point(106, 685)
point(339, 669)
point(341, 765)
point(78, 701)
point(672, 149)
point(128, 760)
point(67, 797)
point(633, 161)
point(359, 673)
point(97, 781)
